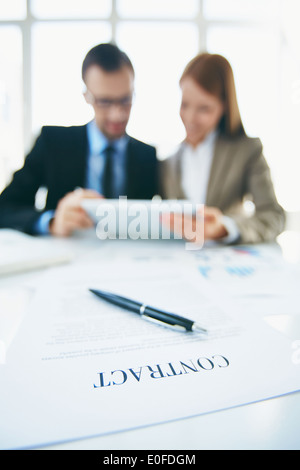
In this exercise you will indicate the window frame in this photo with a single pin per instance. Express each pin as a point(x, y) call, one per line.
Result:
point(202, 24)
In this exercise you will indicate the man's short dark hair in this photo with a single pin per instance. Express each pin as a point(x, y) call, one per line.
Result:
point(106, 56)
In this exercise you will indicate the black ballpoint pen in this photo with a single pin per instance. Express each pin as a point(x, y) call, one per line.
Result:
point(149, 312)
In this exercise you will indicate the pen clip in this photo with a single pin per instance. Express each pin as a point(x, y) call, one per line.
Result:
point(164, 324)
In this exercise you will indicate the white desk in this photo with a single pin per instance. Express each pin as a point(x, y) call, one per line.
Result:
point(270, 424)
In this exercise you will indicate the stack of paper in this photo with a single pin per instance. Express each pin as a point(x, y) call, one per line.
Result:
point(20, 252)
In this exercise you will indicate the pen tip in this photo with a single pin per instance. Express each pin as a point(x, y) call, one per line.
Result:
point(93, 291)
point(198, 328)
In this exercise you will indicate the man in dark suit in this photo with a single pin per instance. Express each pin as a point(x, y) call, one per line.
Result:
point(99, 157)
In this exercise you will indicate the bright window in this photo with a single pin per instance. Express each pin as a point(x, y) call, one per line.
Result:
point(13, 10)
point(57, 87)
point(159, 56)
point(241, 10)
point(56, 9)
point(11, 99)
point(157, 8)
point(253, 55)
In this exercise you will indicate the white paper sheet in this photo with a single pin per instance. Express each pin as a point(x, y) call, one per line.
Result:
point(254, 279)
point(79, 367)
point(20, 252)
point(12, 310)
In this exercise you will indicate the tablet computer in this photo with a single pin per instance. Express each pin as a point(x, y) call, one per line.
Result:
point(134, 218)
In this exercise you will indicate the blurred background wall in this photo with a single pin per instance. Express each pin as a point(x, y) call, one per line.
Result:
point(43, 43)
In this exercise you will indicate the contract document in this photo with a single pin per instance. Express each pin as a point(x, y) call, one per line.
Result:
point(80, 367)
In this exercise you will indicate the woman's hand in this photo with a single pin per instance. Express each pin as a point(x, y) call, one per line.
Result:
point(213, 225)
point(207, 225)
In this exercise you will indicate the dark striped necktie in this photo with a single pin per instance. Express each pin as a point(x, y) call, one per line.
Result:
point(108, 172)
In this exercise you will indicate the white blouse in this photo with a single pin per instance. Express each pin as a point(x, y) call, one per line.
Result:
point(195, 170)
point(196, 166)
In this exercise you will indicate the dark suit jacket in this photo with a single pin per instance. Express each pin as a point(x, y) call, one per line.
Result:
point(58, 162)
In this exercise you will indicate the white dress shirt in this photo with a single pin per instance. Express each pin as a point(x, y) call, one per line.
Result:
point(195, 170)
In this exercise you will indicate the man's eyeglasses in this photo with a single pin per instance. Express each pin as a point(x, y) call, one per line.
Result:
point(106, 103)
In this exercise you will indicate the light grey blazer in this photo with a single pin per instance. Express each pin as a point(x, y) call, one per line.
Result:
point(239, 171)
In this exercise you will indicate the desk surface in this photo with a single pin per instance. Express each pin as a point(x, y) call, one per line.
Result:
point(269, 424)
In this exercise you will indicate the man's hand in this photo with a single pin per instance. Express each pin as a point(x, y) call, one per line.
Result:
point(209, 228)
point(69, 214)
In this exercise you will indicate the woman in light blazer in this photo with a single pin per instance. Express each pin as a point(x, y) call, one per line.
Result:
point(218, 164)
